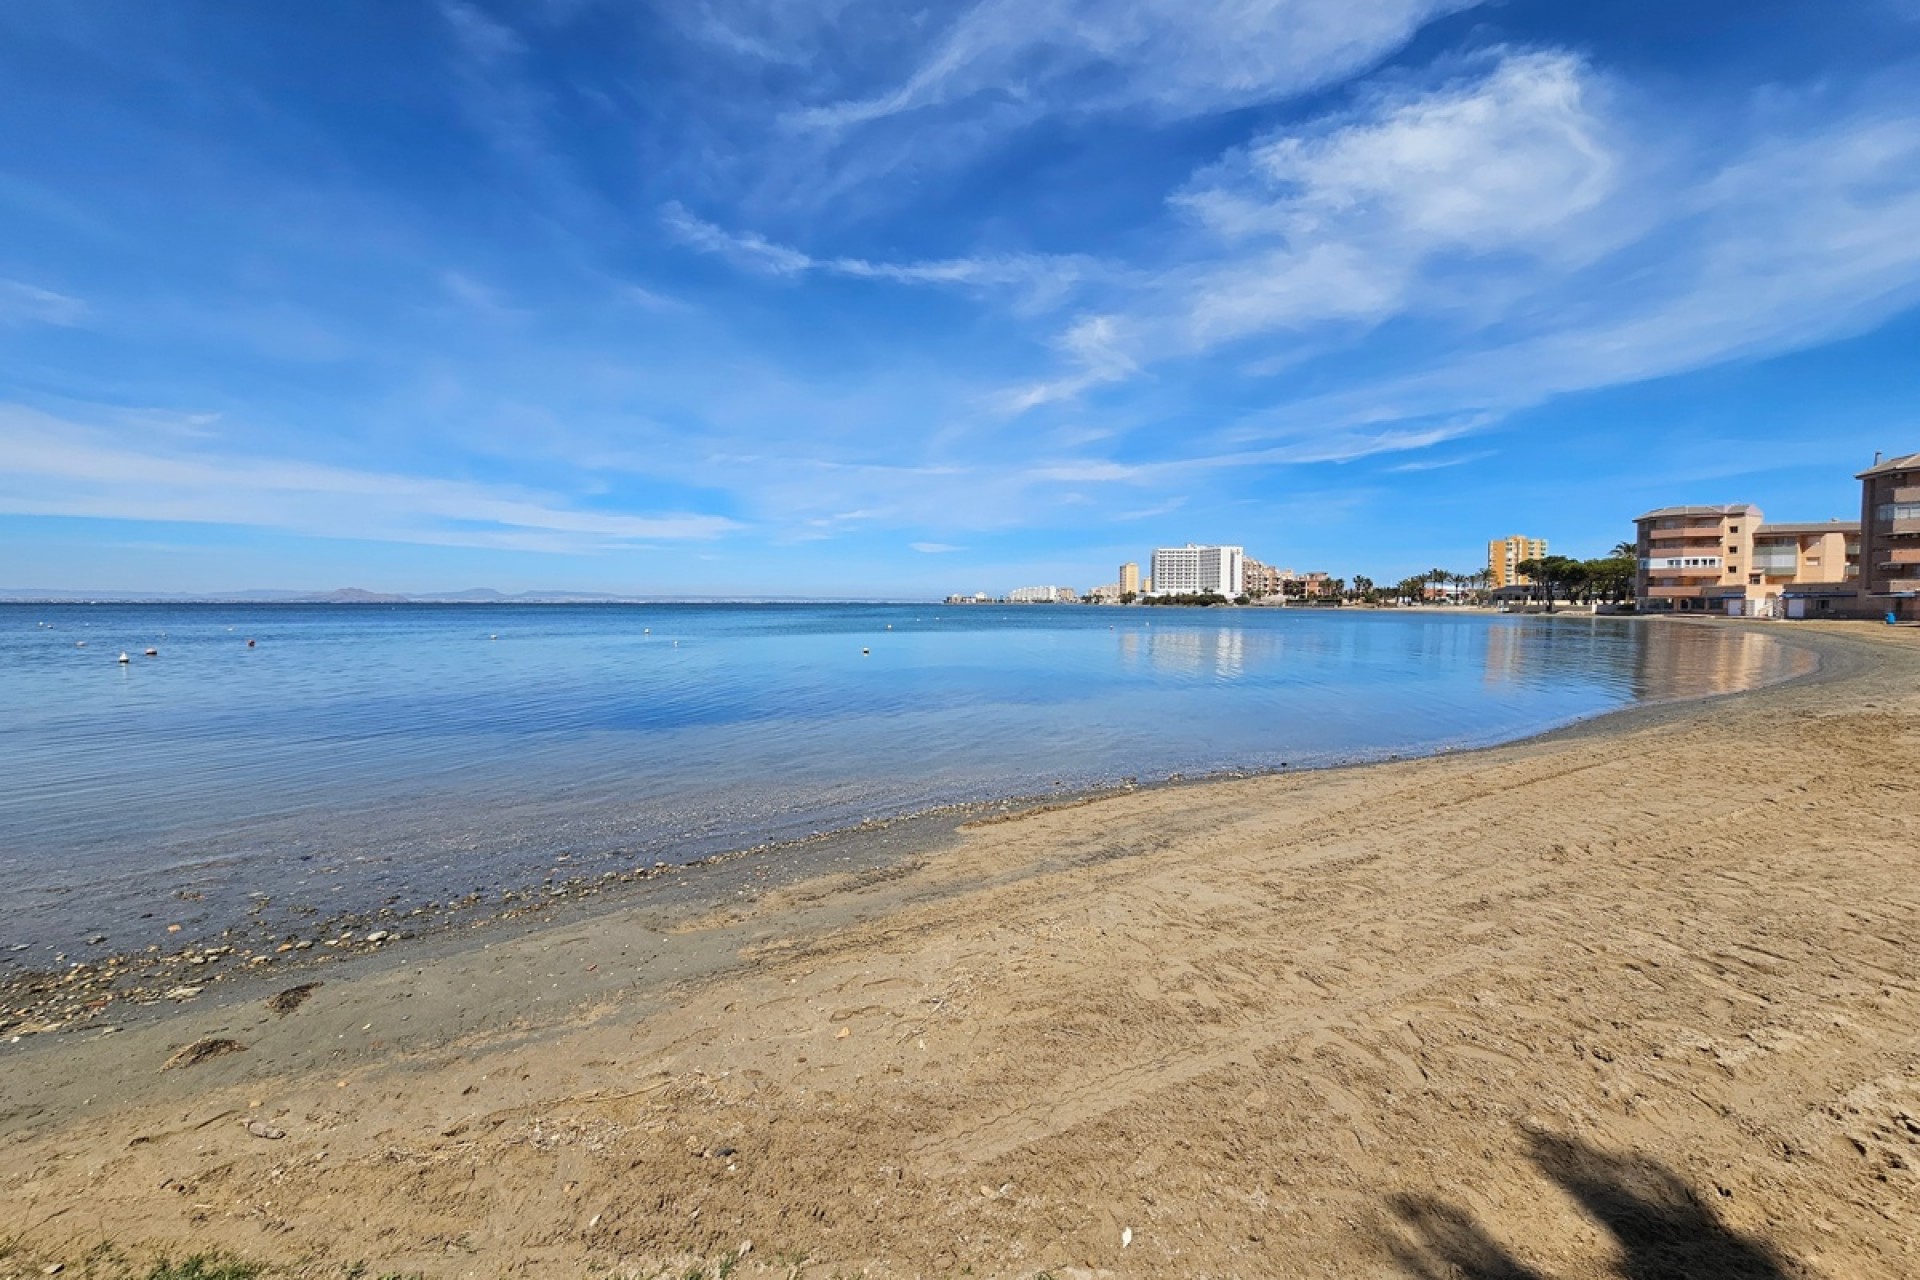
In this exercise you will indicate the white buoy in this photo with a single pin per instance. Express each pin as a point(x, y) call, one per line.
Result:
point(125, 658)
point(152, 652)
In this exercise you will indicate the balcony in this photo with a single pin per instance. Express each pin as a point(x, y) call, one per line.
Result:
point(1674, 593)
point(1901, 555)
point(1680, 571)
point(1907, 493)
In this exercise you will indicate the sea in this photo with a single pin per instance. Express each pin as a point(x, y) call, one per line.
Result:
point(341, 758)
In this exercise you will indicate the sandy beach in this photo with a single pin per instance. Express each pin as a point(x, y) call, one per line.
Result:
point(1637, 998)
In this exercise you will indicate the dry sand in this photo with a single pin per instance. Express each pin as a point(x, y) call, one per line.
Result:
point(1638, 999)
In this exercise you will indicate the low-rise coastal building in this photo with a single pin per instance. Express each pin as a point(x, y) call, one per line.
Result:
point(1258, 579)
point(1693, 559)
point(1042, 595)
point(1727, 559)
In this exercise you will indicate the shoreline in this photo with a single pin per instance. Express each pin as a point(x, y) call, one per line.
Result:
point(1287, 1024)
point(248, 958)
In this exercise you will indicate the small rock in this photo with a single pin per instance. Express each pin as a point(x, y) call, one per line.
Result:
point(261, 1129)
point(378, 935)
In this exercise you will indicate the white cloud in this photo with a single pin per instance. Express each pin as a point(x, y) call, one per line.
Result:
point(62, 468)
point(935, 548)
point(1803, 239)
point(1042, 278)
point(1527, 221)
point(1173, 58)
point(22, 303)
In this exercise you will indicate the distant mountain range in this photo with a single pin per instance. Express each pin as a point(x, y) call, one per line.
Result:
point(359, 595)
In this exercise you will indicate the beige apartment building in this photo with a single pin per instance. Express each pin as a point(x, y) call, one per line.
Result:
point(1890, 537)
point(1129, 578)
point(1259, 579)
point(1504, 556)
point(1804, 570)
point(1693, 558)
point(1726, 559)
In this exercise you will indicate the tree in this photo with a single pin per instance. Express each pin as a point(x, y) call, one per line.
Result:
point(1624, 551)
point(1612, 576)
point(1362, 586)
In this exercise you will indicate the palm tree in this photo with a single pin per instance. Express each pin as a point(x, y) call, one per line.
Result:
point(1625, 551)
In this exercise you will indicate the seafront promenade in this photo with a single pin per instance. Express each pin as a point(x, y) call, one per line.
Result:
point(1637, 994)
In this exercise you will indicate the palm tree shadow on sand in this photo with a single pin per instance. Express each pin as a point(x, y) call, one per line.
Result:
point(1663, 1229)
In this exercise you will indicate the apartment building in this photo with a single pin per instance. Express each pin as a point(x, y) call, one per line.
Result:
point(1727, 559)
point(1505, 554)
point(1194, 570)
point(1129, 578)
point(1693, 559)
point(1804, 570)
point(1263, 579)
point(1042, 595)
point(1890, 537)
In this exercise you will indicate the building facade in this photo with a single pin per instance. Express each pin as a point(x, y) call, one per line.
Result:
point(1260, 580)
point(1042, 595)
point(1505, 554)
point(1890, 537)
point(1129, 578)
point(1693, 558)
point(1728, 560)
point(1195, 570)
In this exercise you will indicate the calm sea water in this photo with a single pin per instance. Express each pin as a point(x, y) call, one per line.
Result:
point(360, 755)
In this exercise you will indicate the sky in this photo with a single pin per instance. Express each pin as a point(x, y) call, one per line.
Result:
point(844, 298)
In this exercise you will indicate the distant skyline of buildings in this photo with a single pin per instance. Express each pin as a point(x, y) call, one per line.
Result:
point(1703, 558)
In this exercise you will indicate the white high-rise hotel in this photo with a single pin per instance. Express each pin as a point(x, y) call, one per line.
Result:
point(1192, 570)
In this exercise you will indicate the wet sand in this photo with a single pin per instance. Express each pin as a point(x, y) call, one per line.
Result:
point(1640, 997)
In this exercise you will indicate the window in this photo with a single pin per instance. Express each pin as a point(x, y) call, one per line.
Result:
point(1733, 528)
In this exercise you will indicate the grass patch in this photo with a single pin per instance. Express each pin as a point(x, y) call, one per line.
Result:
point(204, 1266)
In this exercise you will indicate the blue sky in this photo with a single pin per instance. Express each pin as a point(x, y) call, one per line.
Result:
point(834, 297)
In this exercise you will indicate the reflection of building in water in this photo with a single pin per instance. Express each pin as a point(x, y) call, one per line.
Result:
point(1220, 653)
point(1682, 662)
point(1503, 657)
